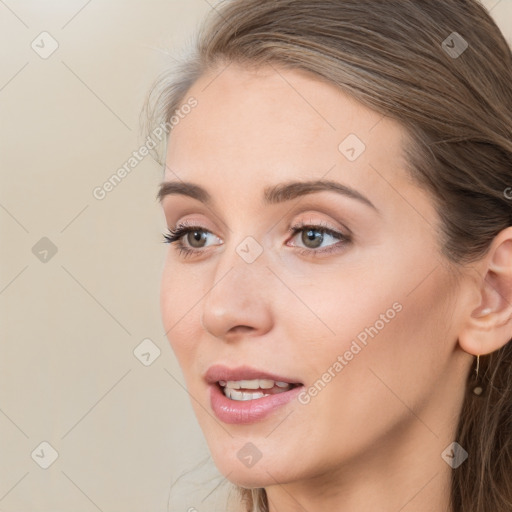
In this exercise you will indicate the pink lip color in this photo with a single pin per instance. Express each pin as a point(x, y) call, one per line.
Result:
point(247, 411)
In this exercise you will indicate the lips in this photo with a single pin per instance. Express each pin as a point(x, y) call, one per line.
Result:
point(246, 395)
point(218, 373)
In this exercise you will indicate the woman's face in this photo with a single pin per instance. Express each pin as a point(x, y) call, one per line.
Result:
point(356, 310)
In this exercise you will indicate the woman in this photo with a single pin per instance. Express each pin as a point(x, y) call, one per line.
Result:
point(338, 289)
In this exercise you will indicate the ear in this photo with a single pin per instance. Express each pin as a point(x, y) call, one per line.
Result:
point(489, 325)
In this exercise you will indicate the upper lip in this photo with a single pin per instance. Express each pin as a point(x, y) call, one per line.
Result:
point(219, 372)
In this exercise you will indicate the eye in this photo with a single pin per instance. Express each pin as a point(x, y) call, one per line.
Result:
point(188, 239)
point(314, 235)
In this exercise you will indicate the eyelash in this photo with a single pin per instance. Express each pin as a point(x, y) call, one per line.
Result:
point(175, 236)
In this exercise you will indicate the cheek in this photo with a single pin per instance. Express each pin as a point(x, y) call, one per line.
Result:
point(338, 307)
point(372, 393)
point(168, 296)
point(177, 300)
point(393, 348)
point(390, 321)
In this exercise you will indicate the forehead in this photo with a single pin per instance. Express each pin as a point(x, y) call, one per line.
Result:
point(261, 126)
point(281, 106)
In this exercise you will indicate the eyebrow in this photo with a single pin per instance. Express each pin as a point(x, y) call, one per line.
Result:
point(272, 195)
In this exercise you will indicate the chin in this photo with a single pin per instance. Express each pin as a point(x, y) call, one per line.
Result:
point(250, 478)
point(245, 465)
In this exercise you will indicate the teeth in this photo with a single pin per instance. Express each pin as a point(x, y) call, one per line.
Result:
point(252, 384)
point(263, 383)
point(233, 394)
point(231, 388)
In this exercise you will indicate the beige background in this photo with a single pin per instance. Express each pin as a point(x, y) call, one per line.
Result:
point(70, 323)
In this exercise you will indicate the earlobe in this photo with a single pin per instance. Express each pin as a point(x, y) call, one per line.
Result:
point(489, 325)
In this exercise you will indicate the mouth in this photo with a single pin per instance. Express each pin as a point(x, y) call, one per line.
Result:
point(254, 389)
point(246, 395)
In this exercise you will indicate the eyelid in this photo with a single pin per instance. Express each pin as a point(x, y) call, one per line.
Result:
point(342, 238)
point(320, 225)
point(192, 224)
point(183, 228)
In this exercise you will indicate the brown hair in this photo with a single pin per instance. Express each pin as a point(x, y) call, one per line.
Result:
point(401, 58)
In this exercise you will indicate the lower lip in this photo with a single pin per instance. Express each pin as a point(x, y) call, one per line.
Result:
point(248, 411)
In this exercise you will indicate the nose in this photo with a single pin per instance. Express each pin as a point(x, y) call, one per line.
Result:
point(238, 302)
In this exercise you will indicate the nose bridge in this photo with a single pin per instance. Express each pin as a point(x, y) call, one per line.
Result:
point(237, 293)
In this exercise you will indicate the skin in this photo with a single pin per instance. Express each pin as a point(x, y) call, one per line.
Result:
point(372, 438)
